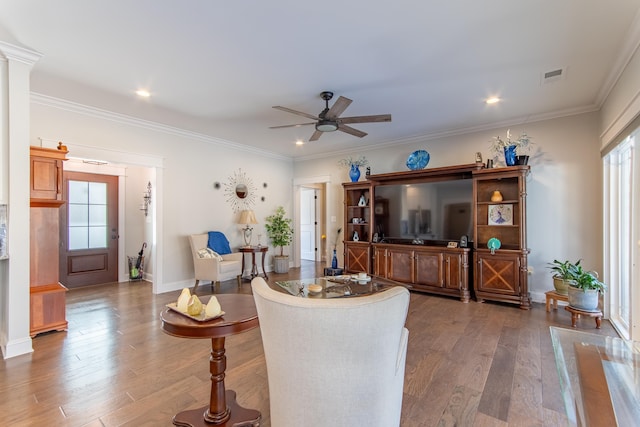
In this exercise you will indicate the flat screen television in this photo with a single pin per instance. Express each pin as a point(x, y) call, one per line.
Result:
point(435, 212)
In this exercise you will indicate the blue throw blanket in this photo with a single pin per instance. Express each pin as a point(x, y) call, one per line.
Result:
point(219, 243)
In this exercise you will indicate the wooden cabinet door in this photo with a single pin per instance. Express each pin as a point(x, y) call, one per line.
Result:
point(357, 257)
point(400, 265)
point(380, 262)
point(428, 268)
point(46, 177)
point(497, 273)
point(452, 271)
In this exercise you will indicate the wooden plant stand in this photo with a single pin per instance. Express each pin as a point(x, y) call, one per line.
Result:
point(554, 297)
point(576, 313)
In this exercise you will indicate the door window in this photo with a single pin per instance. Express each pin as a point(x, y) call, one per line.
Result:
point(87, 215)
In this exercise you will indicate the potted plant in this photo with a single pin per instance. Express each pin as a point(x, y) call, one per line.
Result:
point(354, 166)
point(280, 232)
point(563, 272)
point(514, 151)
point(584, 290)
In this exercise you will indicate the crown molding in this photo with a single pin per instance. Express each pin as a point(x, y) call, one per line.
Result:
point(628, 50)
point(18, 53)
point(98, 113)
point(460, 131)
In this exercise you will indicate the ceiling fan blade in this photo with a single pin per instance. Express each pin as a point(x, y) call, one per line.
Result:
point(299, 113)
point(316, 136)
point(366, 119)
point(338, 108)
point(351, 131)
point(291, 126)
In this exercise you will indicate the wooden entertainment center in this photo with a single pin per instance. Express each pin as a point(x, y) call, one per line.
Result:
point(420, 256)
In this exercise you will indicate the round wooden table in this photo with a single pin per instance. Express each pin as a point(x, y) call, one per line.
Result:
point(223, 410)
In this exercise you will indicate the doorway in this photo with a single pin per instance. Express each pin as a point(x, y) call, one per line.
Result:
point(89, 229)
point(308, 224)
point(322, 191)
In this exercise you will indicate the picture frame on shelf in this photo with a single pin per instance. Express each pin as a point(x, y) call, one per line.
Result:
point(500, 214)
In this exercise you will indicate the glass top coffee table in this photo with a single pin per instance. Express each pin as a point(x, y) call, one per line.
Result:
point(337, 286)
point(599, 378)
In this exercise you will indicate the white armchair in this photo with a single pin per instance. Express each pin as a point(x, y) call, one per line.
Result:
point(334, 362)
point(214, 269)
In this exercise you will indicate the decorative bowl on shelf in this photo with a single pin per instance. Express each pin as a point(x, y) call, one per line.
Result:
point(417, 160)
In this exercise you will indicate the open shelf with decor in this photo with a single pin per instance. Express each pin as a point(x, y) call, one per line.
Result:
point(357, 218)
point(500, 246)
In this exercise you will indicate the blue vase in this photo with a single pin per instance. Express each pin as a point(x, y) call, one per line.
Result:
point(354, 173)
point(510, 155)
point(334, 260)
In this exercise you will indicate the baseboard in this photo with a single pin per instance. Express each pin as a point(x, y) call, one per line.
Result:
point(175, 286)
point(17, 347)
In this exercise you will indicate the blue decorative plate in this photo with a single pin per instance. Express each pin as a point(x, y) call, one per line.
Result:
point(417, 160)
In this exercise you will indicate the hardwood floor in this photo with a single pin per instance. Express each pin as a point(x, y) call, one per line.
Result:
point(467, 364)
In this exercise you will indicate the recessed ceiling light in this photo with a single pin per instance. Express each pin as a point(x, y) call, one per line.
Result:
point(492, 100)
point(299, 142)
point(143, 93)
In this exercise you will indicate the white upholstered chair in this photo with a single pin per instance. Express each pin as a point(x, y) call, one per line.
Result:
point(334, 362)
point(213, 269)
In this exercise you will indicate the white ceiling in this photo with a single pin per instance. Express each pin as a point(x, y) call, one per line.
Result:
point(217, 67)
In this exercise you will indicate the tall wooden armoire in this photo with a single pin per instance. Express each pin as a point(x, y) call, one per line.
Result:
point(48, 306)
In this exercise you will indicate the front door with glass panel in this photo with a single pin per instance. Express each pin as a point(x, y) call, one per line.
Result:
point(89, 234)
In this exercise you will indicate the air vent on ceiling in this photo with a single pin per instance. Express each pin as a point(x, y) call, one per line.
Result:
point(553, 75)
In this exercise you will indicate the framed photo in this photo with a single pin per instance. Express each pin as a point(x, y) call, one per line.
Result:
point(500, 215)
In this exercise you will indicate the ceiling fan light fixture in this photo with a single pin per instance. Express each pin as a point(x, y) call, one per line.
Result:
point(326, 126)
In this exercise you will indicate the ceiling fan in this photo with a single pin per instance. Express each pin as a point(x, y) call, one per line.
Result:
point(329, 119)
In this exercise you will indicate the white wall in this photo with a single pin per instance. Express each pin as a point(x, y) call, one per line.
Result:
point(564, 188)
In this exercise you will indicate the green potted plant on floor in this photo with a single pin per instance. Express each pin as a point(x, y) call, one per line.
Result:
point(563, 272)
point(584, 290)
point(280, 232)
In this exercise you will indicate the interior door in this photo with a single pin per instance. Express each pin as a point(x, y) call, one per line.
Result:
point(308, 224)
point(88, 231)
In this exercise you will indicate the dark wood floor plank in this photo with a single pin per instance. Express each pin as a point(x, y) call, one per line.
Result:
point(496, 396)
point(526, 394)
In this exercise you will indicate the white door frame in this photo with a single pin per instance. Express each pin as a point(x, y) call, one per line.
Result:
point(298, 184)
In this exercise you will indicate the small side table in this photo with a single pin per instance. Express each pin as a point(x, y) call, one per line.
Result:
point(253, 250)
point(554, 297)
point(576, 313)
point(223, 410)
